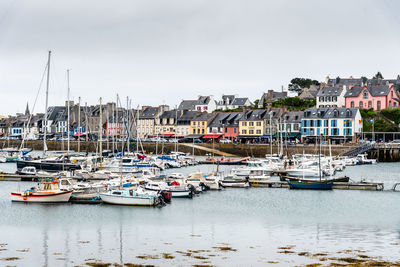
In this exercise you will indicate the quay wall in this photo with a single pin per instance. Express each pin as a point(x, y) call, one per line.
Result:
point(385, 153)
point(241, 150)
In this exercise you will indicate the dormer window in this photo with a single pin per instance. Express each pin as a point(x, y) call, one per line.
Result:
point(365, 94)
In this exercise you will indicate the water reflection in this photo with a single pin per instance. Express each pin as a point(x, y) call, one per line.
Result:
point(45, 252)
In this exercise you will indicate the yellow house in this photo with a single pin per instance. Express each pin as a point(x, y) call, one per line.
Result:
point(256, 123)
point(199, 124)
point(166, 123)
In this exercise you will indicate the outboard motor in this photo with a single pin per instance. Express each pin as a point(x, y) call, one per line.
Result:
point(166, 196)
point(204, 187)
point(192, 190)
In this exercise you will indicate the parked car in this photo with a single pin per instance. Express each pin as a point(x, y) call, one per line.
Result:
point(225, 141)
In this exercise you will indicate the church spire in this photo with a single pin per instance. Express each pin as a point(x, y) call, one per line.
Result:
point(27, 109)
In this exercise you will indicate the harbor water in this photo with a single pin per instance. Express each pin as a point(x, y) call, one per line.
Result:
point(232, 227)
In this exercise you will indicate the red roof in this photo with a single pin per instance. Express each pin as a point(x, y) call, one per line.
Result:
point(212, 136)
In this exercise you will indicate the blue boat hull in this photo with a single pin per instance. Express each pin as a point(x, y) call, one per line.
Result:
point(313, 185)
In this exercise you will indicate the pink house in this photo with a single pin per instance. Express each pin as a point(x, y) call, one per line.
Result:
point(376, 97)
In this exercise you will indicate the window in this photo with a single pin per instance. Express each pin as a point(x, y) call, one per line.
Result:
point(251, 123)
point(251, 131)
point(198, 131)
point(321, 99)
point(244, 132)
point(379, 105)
point(318, 123)
point(234, 130)
point(365, 94)
point(194, 123)
point(352, 104)
point(244, 123)
point(361, 104)
point(369, 104)
point(203, 123)
point(325, 123)
point(202, 131)
point(258, 131)
point(259, 123)
point(296, 126)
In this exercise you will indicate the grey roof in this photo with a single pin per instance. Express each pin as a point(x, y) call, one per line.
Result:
point(203, 100)
point(345, 81)
point(359, 81)
point(53, 112)
point(169, 114)
point(254, 115)
point(327, 113)
point(330, 91)
point(378, 90)
point(226, 119)
point(293, 117)
point(187, 104)
point(204, 116)
point(230, 97)
point(148, 113)
point(186, 115)
point(240, 101)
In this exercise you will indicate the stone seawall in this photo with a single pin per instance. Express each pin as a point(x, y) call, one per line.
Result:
point(242, 150)
point(385, 153)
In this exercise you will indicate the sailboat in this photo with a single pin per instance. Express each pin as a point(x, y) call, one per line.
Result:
point(326, 184)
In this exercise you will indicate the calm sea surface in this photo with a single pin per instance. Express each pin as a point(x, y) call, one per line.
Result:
point(232, 227)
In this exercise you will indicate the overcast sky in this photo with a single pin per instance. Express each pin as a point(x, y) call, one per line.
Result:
point(163, 51)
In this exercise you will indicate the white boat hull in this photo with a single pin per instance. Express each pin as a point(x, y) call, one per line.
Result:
point(301, 173)
point(123, 200)
point(61, 197)
point(234, 184)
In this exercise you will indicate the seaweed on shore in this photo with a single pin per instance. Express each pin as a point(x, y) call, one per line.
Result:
point(225, 248)
point(10, 259)
point(98, 264)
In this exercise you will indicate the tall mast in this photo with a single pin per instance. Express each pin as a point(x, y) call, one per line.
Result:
point(319, 158)
point(101, 132)
point(86, 121)
point(68, 126)
point(47, 103)
point(79, 125)
point(127, 124)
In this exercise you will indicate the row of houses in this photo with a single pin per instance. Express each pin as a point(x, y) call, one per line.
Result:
point(251, 125)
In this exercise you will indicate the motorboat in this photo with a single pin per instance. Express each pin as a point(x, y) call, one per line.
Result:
point(252, 167)
point(362, 158)
point(48, 192)
point(202, 181)
point(130, 197)
point(235, 182)
point(51, 164)
point(176, 190)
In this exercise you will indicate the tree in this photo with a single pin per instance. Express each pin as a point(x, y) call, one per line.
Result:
point(256, 102)
point(298, 84)
point(378, 75)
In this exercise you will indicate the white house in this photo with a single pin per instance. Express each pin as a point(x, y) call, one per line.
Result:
point(339, 124)
point(202, 104)
point(331, 97)
point(233, 102)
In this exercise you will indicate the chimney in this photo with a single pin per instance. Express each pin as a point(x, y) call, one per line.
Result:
point(282, 88)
